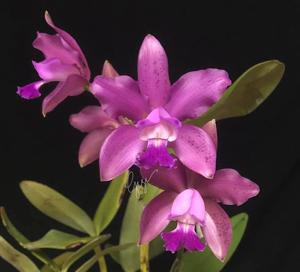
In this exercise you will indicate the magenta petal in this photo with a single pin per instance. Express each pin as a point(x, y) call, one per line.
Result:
point(196, 150)
point(183, 236)
point(228, 187)
point(165, 178)
point(30, 91)
point(211, 129)
point(119, 151)
point(53, 46)
point(108, 70)
point(73, 85)
point(54, 69)
point(71, 42)
point(155, 216)
point(217, 229)
point(120, 96)
point(195, 92)
point(188, 206)
point(90, 118)
point(153, 72)
point(90, 146)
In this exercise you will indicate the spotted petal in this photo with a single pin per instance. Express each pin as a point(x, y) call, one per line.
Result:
point(153, 72)
point(196, 150)
point(227, 187)
point(217, 229)
point(195, 92)
point(119, 151)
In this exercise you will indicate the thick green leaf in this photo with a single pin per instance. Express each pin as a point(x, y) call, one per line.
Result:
point(206, 260)
point(110, 250)
point(110, 203)
point(246, 93)
point(140, 196)
point(82, 251)
point(21, 239)
point(17, 259)
point(56, 206)
point(59, 260)
point(57, 240)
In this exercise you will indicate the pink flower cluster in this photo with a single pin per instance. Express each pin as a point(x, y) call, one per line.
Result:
point(143, 122)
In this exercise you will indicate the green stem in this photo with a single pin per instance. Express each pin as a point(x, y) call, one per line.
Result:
point(177, 263)
point(144, 258)
point(101, 260)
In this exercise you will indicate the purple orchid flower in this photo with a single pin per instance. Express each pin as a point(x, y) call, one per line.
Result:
point(157, 111)
point(192, 201)
point(97, 123)
point(64, 62)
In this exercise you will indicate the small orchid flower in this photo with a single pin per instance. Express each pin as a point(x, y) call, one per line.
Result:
point(157, 111)
point(64, 63)
point(192, 201)
point(97, 123)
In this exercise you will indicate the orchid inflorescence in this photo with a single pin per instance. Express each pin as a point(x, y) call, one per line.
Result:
point(168, 130)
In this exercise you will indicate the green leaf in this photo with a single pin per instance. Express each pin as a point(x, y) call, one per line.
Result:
point(20, 238)
point(140, 196)
point(59, 260)
point(110, 203)
point(206, 260)
point(246, 93)
point(17, 259)
point(110, 250)
point(56, 206)
point(82, 251)
point(57, 240)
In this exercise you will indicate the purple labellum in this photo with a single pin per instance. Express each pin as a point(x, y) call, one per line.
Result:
point(183, 236)
point(156, 154)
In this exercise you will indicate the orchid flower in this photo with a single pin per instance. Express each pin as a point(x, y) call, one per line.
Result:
point(192, 201)
point(64, 63)
point(97, 123)
point(157, 111)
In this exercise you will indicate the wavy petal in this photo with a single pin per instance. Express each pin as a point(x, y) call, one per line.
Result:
point(155, 216)
point(72, 43)
point(195, 92)
point(120, 96)
point(188, 205)
point(153, 75)
point(165, 178)
point(73, 85)
point(90, 118)
point(90, 146)
point(54, 69)
point(53, 46)
point(196, 150)
point(228, 187)
point(119, 151)
point(217, 229)
point(31, 90)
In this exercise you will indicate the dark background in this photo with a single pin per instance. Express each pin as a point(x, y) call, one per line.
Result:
point(263, 146)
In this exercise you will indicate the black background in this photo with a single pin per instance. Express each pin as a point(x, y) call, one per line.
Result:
point(263, 146)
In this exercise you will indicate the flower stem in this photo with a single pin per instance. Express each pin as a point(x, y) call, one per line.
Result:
point(144, 258)
point(101, 260)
